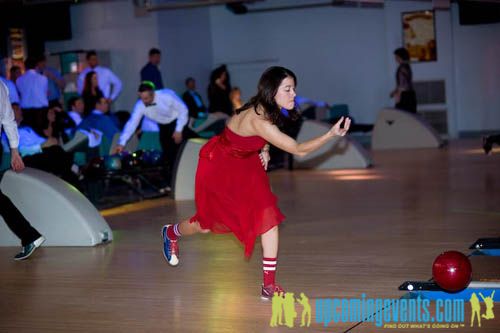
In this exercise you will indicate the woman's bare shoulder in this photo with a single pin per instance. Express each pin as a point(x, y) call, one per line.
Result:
point(249, 122)
point(261, 124)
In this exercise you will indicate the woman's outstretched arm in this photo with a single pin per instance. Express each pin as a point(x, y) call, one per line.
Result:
point(274, 136)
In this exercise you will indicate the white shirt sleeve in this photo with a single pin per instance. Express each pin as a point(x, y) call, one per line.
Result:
point(45, 85)
point(7, 119)
point(132, 123)
point(13, 94)
point(80, 82)
point(117, 84)
point(182, 111)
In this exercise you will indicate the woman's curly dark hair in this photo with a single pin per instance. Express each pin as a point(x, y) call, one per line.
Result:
point(266, 91)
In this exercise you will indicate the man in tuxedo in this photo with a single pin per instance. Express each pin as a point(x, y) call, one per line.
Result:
point(171, 114)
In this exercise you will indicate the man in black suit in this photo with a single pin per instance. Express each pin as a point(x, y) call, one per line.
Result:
point(151, 71)
point(193, 100)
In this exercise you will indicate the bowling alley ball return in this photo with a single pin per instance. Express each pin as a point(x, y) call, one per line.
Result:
point(452, 280)
point(142, 172)
point(486, 247)
point(431, 291)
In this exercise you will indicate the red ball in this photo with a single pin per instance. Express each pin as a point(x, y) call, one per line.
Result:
point(452, 271)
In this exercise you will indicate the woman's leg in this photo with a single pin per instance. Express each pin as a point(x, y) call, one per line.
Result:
point(187, 228)
point(171, 234)
point(270, 242)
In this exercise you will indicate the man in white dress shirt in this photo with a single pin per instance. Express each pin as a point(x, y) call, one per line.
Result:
point(108, 82)
point(30, 237)
point(33, 89)
point(171, 114)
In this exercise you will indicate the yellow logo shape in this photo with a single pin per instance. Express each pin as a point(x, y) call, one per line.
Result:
point(283, 309)
point(306, 310)
point(277, 308)
point(476, 308)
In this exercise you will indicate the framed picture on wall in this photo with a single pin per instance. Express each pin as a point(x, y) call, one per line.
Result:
point(419, 35)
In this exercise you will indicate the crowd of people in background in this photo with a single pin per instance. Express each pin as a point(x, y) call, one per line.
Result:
point(46, 124)
point(46, 120)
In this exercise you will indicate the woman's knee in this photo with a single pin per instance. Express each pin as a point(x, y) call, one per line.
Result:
point(273, 230)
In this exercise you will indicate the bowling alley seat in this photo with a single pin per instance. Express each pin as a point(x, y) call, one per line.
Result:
point(212, 125)
point(400, 129)
point(149, 141)
point(339, 153)
point(55, 208)
point(185, 169)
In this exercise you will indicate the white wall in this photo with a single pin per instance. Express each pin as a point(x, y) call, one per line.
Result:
point(477, 74)
point(338, 54)
point(341, 55)
point(442, 69)
point(186, 43)
point(345, 55)
point(113, 27)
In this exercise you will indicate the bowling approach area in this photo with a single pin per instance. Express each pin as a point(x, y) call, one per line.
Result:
point(347, 233)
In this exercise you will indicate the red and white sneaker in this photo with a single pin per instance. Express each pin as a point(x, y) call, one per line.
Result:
point(170, 248)
point(268, 291)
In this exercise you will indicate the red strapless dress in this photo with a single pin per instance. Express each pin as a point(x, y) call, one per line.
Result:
point(232, 191)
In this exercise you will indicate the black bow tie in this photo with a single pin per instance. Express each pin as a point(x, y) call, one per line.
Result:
point(152, 104)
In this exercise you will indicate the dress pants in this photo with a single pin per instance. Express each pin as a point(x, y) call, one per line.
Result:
point(16, 221)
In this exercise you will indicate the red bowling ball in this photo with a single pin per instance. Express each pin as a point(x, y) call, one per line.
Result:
point(452, 271)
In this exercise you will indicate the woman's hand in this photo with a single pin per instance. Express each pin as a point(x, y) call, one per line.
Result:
point(265, 157)
point(341, 131)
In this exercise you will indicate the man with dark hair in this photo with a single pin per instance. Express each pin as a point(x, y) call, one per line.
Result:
point(168, 110)
point(33, 89)
point(15, 73)
point(108, 82)
point(30, 237)
point(100, 120)
point(151, 72)
point(75, 109)
point(192, 99)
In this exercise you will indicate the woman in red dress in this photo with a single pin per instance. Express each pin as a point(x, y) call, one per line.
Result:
point(232, 191)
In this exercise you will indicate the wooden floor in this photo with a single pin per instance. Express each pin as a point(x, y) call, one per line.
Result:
point(347, 233)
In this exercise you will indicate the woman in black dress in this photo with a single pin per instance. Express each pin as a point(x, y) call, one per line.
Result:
point(91, 93)
point(404, 95)
point(219, 90)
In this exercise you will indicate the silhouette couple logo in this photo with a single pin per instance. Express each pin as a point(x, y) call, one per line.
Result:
point(284, 313)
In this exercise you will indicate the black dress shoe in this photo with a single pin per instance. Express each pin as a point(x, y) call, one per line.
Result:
point(29, 249)
point(487, 145)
